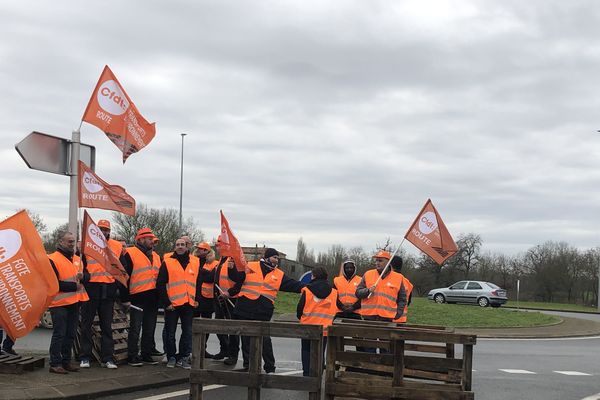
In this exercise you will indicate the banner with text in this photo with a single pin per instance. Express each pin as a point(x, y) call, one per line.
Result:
point(229, 246)
point(111, 110)
point(96, 193)
point(95, 246)
point(27, 281)
point(429, 234)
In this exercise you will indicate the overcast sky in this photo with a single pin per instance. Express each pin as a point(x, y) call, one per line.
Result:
point(330, 120)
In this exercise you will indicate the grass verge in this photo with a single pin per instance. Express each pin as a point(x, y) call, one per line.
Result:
point(551, 306)
point(423, 311)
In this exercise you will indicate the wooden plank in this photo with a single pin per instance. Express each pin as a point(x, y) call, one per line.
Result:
point(258, 328)
point(398, 352)
point(254, 369)
point(467, 366)
point(449, 350)
point(198, 348)
point(432, 336)
point(359, 331)
point(426, 348)
point(333, 344)
point(367, 343)
point(403, 392)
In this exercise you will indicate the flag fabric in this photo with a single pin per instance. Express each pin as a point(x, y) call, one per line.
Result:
point(111, 110)
point(27, 281)
point(96, 193)
point(430, 235)
point(94, 245)
point(229, 246)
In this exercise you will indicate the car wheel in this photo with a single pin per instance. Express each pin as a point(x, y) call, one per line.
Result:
point(46, 320)
point(483, 302)
point(439, 298)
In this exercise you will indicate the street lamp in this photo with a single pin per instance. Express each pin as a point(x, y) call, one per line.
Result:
point(181, 186)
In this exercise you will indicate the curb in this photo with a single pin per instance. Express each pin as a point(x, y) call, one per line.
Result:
point(553, 310)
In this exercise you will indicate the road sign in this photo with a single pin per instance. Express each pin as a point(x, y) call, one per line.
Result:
point(52, 153)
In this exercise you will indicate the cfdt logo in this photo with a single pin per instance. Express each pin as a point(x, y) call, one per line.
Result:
point(428, 223)
point(112, 99)
point(10, 243)
point(97, 236)
point(91, 184)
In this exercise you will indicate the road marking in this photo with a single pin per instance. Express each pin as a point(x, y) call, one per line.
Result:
point(204, 389)
point(573, 373)
point(592, 397)
point(518, 371)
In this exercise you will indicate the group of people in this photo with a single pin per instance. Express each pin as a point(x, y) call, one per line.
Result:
point(190, 282)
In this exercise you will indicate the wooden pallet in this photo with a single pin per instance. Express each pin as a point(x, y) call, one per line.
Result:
point(10, 364)
point(120, 327)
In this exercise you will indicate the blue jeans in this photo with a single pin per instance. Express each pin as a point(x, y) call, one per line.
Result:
point(185, 313)
point(64, 322)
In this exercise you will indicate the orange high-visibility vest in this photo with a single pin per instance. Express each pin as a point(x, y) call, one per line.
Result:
point(408, 286)
point(382, 302)
point(144, 273)
point(181, 287)
point(97, 272)
point(116, 247)
point(223, 280)
point(208, 288)
point(319, 311)
point(347, 288)
point(255, 285)
point(67, 271)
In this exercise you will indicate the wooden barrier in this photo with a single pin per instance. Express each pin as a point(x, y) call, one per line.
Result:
point(254, 379)
point(432, 373)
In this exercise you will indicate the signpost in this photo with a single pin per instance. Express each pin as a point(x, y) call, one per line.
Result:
point(57, 155)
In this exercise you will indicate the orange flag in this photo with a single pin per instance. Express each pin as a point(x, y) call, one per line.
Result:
point(429, 234)
point(111, 110)
point(229, 246)
point(95, 246)
point(27, 281)
point(95, 193)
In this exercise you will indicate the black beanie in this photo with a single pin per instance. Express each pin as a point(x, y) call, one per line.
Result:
point(270, 252)
point(396, 263)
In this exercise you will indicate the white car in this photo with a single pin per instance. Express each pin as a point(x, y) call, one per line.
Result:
point(476, 292)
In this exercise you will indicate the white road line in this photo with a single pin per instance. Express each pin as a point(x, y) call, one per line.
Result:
point(518, 371)
point(204, 389)
point(592, 397)
point(572, 373)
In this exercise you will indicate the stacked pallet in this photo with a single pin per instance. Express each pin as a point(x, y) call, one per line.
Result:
point(10, 364)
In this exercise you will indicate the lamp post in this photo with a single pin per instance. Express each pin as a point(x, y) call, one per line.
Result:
point(181, 186)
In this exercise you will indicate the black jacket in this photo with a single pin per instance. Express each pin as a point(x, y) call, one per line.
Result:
point(262, 308)
point(65, 286)
point(100, 290)
point(319, 287)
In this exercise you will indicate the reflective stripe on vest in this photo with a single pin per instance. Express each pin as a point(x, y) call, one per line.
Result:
point(181, 287)
point(208, 288)
point(97, 272)
point(67, 271)
point(223, 279)
point(408, 287)
point(255, 285)
point(144, 273)
point(382, 302)
point(319, 311)
point(347, 288)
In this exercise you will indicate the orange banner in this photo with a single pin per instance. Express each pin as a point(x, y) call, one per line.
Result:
point(229, 246)
point(96, 193)
point(27, 281)
point(95, 246)
point(429, 234)
point(111, 110)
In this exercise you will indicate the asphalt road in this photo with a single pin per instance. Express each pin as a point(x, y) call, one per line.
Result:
point(504, 369)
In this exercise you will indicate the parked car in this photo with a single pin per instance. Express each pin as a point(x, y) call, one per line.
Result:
point(46, 320)
point(476, 292)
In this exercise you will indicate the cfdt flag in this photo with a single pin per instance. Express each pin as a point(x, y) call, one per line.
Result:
point(95, 193)
point(430, 235)
point(111, 110)
point(94, 245)
point(27, 281)
point(229, 246)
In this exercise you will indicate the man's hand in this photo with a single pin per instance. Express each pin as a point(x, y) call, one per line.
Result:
point(79, 276)
point(170, 308)
point(225, 295)
point(125, 305)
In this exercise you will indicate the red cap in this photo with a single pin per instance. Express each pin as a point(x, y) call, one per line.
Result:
point(383, 254)
point(204, 245)
point(144, 232)
point(103, 223)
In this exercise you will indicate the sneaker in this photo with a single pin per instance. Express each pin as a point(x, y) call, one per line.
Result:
point(219, 356)
point(179, 363)
point(172, 362)
point(135, 361)
point(147, 359)
point(84, 363)
point(185, 363)
point(156, 353)
point(230, 361)
point(110, 365)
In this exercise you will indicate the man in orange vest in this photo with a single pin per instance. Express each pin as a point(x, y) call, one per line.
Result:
point(317, 306)
point(142, 264)
point(206, 306)
point(228, 283)
point(102, 289)
point(382, 299)
point(64, 308)
point(256, 301)
point(178, 287)
point(396, 265)
point(346, 284)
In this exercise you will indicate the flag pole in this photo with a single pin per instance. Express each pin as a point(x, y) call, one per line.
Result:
point(387, 265)
point(73, 190)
